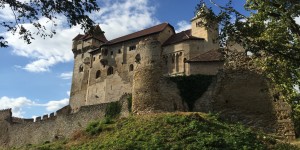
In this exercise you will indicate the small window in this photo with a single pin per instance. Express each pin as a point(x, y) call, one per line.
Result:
point(131, 67)
point(110, 71)
point(82, 55)
point(131, 48)
point(81, 68)
point(137, 58)
point(111, 52)
point(98, 74)
point(94, 58)
point(119, 51)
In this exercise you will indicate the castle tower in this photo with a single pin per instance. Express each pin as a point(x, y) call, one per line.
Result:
point(82, 45)
point(145, 92)
point(209, 33)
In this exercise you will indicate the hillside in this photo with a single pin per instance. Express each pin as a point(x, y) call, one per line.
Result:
point(165, 131)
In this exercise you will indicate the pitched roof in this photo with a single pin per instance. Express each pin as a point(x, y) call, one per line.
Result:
point(145, 32)
point(79, 36)
point(179, 37)
point(209, 56)
point(97, 34)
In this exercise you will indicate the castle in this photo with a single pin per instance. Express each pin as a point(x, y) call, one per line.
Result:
point(104, 70)
point(140, 64)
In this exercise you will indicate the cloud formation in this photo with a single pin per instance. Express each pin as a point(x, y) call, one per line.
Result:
point(117, 18)
point(183, 25)
point(18, 104)
point(66, 75)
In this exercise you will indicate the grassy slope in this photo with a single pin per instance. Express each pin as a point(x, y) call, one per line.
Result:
point(166, 131)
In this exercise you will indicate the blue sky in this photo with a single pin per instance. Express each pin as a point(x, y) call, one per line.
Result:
point(36, 79)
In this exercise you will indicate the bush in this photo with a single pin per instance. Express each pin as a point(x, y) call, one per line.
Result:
point(113, 109)
point(192, 87)
point(129, 103)
point(96, 127)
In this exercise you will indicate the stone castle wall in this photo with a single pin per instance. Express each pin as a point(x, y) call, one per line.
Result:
point(16, 132)
point(93, 84)
point(150, 93)
point(240, 93)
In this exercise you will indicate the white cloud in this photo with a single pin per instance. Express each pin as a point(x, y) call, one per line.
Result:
point(6, 13)
point(45, 53)
point(119, 18)
point(68, 93)
point(18, 104)
point(66, 75)
point(115, 17)
point(297, 19)
point(55, 105)
point(182, 26)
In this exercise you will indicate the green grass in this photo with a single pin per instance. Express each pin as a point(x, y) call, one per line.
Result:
point(189, 131)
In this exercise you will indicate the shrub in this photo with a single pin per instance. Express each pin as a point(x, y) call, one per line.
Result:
point(96, 127)
point(129, 103)
point(192, 87)
point(113, 109)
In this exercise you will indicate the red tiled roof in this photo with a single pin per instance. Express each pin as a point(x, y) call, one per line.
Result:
point(182, 36)
point(209, 56)
point(79, 36)
point(145, 32)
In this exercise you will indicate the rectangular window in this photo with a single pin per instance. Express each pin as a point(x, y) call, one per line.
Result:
point(94, 58)
point(119, 51)
point(131, 48)
point(111, 53)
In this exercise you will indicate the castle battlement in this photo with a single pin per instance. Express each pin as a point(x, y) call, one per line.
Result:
point(137, 64)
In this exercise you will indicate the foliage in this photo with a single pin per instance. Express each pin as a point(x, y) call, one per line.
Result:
point(113, 109)
point(270, 32)
point(30, 12)
point(296, 114)
point(176, 131)
point(192, 87)
point(129, 102)
point(96, 127)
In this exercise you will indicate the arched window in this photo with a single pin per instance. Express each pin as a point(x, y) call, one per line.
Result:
point(80, 68)
point(110, 71)
point(131, 67)
point(98, 74)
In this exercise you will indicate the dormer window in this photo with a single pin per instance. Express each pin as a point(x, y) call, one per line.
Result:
point(131, 48)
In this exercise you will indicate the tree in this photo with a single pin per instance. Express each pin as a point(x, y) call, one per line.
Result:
point(270, 32)
point(26, 11)
point(272, 35)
